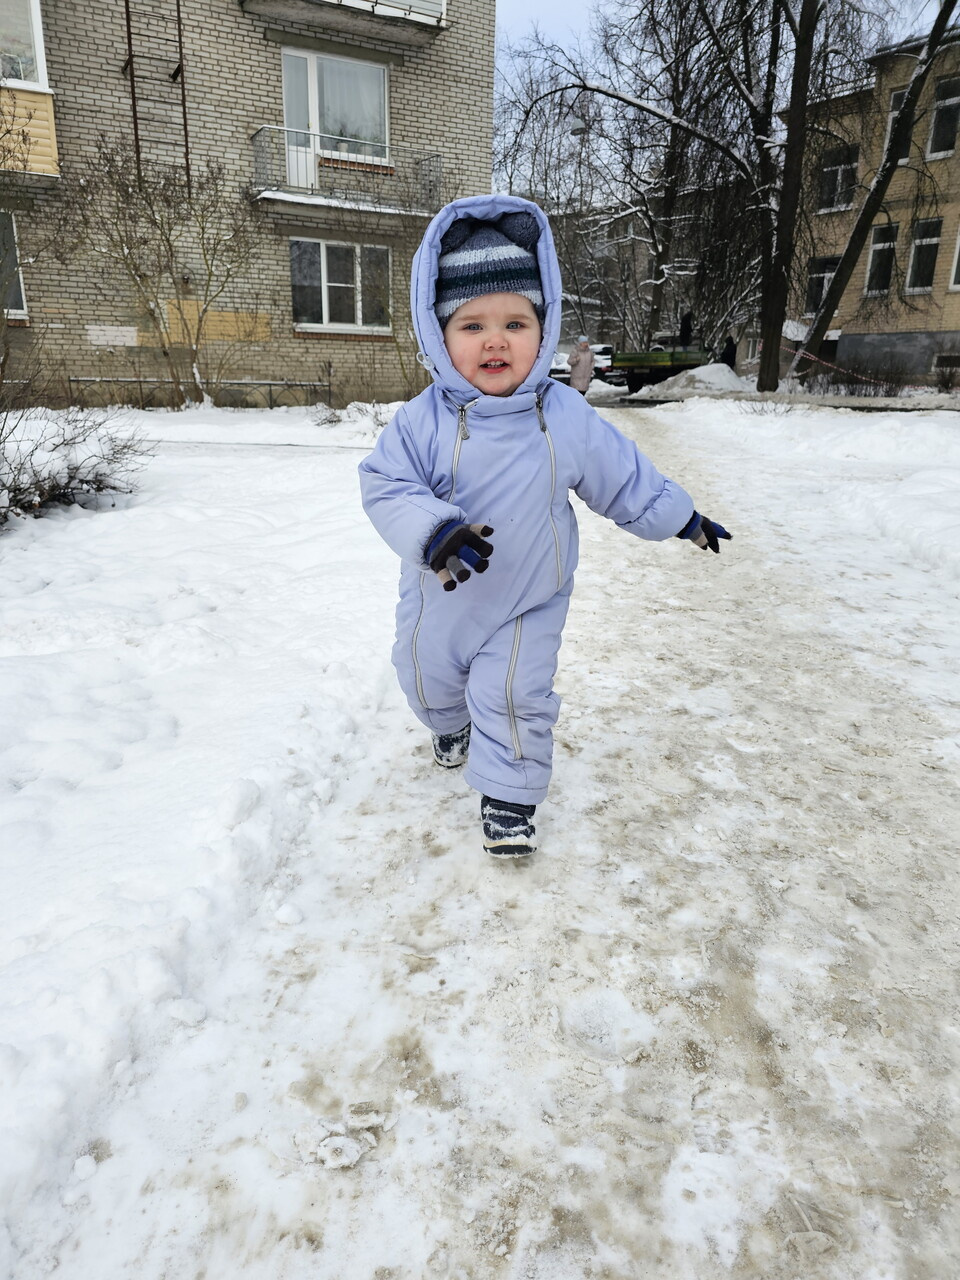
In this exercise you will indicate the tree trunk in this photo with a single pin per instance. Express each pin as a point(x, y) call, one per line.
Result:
point(777, 286)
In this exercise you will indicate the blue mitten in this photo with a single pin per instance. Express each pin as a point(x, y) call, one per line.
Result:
point(704, 533)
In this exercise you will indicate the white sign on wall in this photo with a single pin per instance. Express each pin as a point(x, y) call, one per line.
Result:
point(112, 335)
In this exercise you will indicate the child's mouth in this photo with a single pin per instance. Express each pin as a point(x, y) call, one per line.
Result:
point(495, 365)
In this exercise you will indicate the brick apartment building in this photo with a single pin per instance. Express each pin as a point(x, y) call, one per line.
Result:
point(350, 122)
point(901, 309)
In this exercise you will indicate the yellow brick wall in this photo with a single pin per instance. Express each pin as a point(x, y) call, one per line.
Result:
point(938, 310)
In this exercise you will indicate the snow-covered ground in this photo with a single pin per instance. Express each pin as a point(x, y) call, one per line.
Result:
point(266, 1011)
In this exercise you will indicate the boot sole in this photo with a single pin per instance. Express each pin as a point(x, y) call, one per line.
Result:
point(507, 850)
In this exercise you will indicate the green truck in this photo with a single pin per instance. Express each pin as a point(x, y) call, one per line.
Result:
point(644, 368)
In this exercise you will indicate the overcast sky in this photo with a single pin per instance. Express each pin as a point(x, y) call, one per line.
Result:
point(566, 20)
point(560, 20)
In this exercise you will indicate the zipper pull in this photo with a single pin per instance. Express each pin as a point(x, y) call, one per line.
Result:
point(462, 422)
point(543, 421)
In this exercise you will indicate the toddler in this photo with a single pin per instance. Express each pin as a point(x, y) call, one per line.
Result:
point(473, 475)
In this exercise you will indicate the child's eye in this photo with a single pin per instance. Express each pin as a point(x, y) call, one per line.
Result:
point(517, 324)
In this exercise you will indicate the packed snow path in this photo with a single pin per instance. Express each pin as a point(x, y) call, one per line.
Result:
point(710, 1031)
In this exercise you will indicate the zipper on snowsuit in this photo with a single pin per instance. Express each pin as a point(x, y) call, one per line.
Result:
point(553, 488)
point(462, 434)
point(511, 714)
point(413, 646)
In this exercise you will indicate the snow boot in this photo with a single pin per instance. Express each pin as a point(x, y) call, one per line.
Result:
point(450, 749)
point(508, 830)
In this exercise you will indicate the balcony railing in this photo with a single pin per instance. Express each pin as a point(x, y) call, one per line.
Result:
point(364, 175)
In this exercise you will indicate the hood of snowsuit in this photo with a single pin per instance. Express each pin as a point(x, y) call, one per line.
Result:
point(423, 288)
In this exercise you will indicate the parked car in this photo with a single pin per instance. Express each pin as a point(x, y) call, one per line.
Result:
point(602, 355)
point(559, 369)
point(603, 364)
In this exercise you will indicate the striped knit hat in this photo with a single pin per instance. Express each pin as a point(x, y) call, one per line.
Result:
point(488, 257)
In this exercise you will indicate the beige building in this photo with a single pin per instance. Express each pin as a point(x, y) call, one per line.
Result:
point(901, 310)
point(350, 122)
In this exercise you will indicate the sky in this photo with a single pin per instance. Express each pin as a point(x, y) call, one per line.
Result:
point(565, 20)
point(561, 20)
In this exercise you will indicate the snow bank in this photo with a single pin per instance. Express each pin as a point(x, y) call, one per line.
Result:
point(155, 766)
point(707, 377)
point(356, 426)
point(914, 502)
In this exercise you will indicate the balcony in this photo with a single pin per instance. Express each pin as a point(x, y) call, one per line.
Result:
point(409, 22)
point(346, 172)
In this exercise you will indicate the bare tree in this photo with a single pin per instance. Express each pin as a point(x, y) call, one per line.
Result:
point(731, 81)
point(184, 244)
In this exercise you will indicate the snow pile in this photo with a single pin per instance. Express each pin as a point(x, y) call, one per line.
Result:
point(917, 501)
point(706, 377)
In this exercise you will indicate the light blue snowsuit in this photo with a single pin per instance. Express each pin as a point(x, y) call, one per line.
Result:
point(487, 652)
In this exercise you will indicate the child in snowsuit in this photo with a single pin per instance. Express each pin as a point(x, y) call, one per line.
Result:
point(474, 473)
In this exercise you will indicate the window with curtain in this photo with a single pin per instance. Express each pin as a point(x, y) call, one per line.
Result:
point(11, 287)
point(340, 285)
point(342, 102)
point(20, 57)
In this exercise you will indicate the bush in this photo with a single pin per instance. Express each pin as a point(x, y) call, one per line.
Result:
point(859, 378)
point(63, 456)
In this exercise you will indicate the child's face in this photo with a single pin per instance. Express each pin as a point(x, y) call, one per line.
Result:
point(493, 341)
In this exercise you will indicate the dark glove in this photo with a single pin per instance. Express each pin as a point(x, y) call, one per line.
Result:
point(456, 548)
point(705, 533)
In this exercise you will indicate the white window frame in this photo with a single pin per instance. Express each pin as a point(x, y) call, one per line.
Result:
point(913, 250)
point(954, 285)
point(41, 82)
point(302, 326)
point(20, 313)
point(826, 282)
point(890, 246)
point(313, 108)
point(891, 113)
point(935, 106)
point(840, 168)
